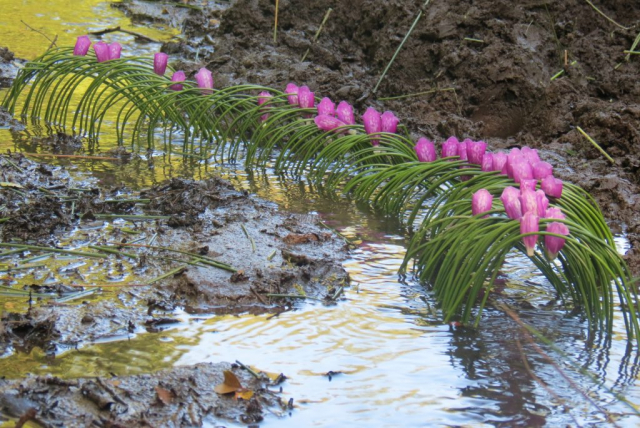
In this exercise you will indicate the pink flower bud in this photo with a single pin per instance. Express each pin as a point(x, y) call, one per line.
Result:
point(102, 51)
point(345, 113)
point(542, 170)
point(160, 63)
point(82, 46)
point(205, 80)
point(529, 224)
point(475, 151)
point(513, 155)
point(530, 154)
point(306, 98)
point(263, 97)
point(481, 202)
point(487, 162)
point(450, 147)
point(555, 213)
point(327, 122)
point(552, 186)
point(529, 184)
point(326, 106)
point(389, 122)
point(425, 150)
point(554, 244)
point(463, 154)
point(542, 202)
point(528, 201)
point(292, 93)
point(178, 76)
point(511, 201)
point(372, 123)
point(114, 50)
point(521, 170)
point(500, 162)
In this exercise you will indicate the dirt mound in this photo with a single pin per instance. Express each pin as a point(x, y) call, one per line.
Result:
point(523, 74)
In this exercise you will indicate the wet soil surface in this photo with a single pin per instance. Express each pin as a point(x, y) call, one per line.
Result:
point(501, 58)
point(183, 396)
point(9, 66)
point(239, 254)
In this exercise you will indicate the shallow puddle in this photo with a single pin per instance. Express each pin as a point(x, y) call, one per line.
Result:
point(381, 357)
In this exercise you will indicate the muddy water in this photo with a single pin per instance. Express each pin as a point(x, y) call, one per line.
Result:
point(382, 357)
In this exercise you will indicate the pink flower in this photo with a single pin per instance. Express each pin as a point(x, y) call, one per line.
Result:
point(528, 201)
point(511, 201)
point(521, 170)
point(530, 154)
point(513, 156)
point(292, 93)
point(542, 170)
point(389, 122)
point(263, 97)
point(102, 51)
point(554, 243)
point(326, 106)
point(487, 162)
point(114, 50)
point(500, 162)
point(529, 223)
point(552, 186)
point(345, 113)
point(327, 122)
point(160, 63)
point(306, 98)
point(529, 184)
point(425, 150)
point(450, 147)
point(82, 46)
point(205, 80)
point(372, 123)
point(178, 76)
point(475, 151)
point(555, 213)
point(481, 202)
point(542, 202)
point(463, 154)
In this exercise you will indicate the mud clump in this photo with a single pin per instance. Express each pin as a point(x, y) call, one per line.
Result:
point(182, 396)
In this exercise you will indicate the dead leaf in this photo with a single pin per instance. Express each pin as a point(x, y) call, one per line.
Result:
point(165, 396)
point(245, 394)
point(230, 384)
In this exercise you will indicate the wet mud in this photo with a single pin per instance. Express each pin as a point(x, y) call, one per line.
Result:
point(523, 74)
point(183, 396)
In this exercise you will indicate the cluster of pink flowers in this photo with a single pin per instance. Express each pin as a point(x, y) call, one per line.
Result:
point(106, 52)
point(330, 117)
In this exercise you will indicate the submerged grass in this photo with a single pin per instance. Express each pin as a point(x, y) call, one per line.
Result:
point(457, 254)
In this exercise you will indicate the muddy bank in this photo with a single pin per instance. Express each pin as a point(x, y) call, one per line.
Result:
point(202, 246)
point(525, 74)
point(9, 66)
point(183, 396)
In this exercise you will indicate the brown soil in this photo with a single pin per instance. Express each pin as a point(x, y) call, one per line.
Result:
point(9, 66)
point(503, 88)
point(182, 396)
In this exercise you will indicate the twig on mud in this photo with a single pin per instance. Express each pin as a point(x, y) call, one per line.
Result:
point(315, 38)
point(53, 249)
point(77, 295)
point(249, 369)
point(133, 217)
point(470, 39)
point(632, 52)
point(137, 201)
point(561, 72)
point(253, 244)
point(275, 23)
point(133, 33)
point(272, 255)
point(608, 19)
point(417, 94)
point(294, 296)
point(200, 258)
point(597, 146)
point(415, 22)
point(4, 219)
point(48, 155)
point(113, 251)
point(168, 274)
point(10, 162)
point(53, 42)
